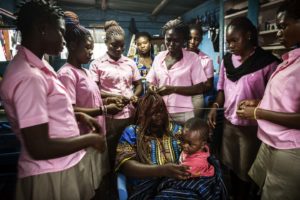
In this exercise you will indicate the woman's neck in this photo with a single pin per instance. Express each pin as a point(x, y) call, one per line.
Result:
point(73, 61)
point(145, 55)
point(34, 48)
point(247, 53)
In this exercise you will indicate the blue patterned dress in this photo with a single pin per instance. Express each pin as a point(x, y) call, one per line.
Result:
point(160, 152)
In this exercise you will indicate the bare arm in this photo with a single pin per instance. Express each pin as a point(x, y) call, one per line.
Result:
point(290, 120)
point(133, 168)
point(41, 147)
point(199, 88)
point(93, 112)
point(138, 88)
point(209, 84)
point(212, 115)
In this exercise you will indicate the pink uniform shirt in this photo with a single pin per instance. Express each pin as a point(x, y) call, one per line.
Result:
point(197, 163)
point(116, 77)
point(33, 95)
point(186, 72)
point(82, 90)
point(207, 64)
point(250, 86)
point(282, 95)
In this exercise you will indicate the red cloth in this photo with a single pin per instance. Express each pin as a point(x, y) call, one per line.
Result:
point(199, 166)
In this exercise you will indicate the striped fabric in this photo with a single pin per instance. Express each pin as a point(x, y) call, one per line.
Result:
point(207, 188)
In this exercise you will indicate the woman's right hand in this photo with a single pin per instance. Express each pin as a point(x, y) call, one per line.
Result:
point(99, 142)
point(173, 170)
point(152, 88)
point(212, 118)
point(113, 109)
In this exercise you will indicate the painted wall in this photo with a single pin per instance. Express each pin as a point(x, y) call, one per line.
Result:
point(206, 46)
point(92, 16)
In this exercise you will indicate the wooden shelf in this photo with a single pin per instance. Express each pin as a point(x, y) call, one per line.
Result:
point(277, 47)
point(263, 6)
point(268, 32)
point(270, 4)
point(237, 14)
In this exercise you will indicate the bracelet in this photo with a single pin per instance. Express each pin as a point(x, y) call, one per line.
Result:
point(218, 106)
point(104, 110)
point(254, 113)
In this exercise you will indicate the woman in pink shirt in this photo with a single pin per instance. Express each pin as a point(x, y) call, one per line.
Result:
point(117, 76)
point(177, 74)
point(196, 34)
point(244, 73)
point(83, 91)
point(53, 163)
point(276, 168)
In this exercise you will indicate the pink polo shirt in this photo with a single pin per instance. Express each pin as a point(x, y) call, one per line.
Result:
point(282, 95)
point(82, 90)
point(207, 64)
point(250, 86)
point(116, 77)
point(33, 95)
point(186, 72)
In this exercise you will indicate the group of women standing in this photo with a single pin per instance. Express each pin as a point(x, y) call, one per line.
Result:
point(64, 119)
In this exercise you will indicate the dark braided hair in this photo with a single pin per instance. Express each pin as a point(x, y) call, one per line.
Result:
point(179, 26)
point(147, 106)
point(36, 11)
point(74, 31)
point(244, 25)
point(198, 126)
point(112, 29)
point(291, 7)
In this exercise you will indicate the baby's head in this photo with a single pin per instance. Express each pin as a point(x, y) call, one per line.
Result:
point(195, 135)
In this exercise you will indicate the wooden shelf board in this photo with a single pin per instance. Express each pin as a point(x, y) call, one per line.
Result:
point(236, 14)
point(271, 3)
point(273, 47)
point(268, 32)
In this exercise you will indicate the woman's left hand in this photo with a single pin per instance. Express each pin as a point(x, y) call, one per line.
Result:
point(247, 112)
point(134, 99)
point(166, 90)
point(91, 122)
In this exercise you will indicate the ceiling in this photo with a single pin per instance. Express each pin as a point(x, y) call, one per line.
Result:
point(152, 7)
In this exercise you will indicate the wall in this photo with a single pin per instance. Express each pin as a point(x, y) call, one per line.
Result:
point(206, 45)
point(90, 16)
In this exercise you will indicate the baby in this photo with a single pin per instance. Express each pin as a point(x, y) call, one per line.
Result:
point(195, 150)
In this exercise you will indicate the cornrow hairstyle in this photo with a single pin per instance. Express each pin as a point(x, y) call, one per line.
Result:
point(112, 29)
point(142, 34)
point(179, 26)
point(244, 25)
point(198, 28)
point(36, 11)
point(147, 106)
point(74, 31)
point(199, 126)
point(291, 7)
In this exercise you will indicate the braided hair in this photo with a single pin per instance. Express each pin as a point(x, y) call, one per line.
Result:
point(148, 105)
point(74, 31)
point(179, 26)
point(36, 11)
point(112, 29)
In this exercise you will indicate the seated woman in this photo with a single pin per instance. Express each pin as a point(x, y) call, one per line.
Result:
point(148, 152)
